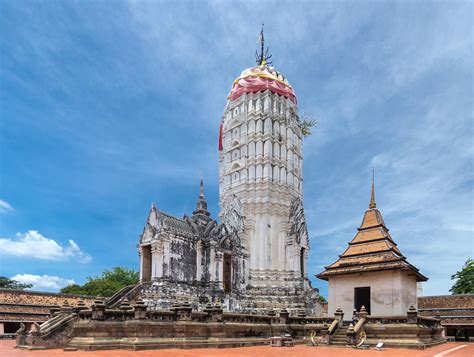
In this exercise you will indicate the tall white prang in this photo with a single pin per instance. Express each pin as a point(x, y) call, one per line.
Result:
point(261, 171)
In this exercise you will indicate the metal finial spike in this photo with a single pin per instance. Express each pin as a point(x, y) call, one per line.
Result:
point(262, 39)
point(201, 189)
point(262, 58)
point(372, 203)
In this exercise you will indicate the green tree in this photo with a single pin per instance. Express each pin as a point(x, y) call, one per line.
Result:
point(464, 279)
point(105, 285)
point(6, 283)
point(321, 299)
point(74, 289)
point(307, 123)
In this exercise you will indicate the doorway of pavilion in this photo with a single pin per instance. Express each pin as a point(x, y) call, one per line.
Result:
point(227, 274)
point(146, 263)
point(362, 298)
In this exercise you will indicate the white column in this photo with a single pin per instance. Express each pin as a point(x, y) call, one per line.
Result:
point(219, 269)
point(154, 261)
point(198, 261)
point(166, 256)
point(212, 264)
point(140, 257)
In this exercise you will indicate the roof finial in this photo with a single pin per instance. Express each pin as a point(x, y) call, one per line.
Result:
point(201, 206)
point(372, 203)
point(262, 59)
point(201, 189)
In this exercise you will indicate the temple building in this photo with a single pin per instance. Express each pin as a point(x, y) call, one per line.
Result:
point(372, 272)
point(192, 257)
point(257, 257)
point(243, 281)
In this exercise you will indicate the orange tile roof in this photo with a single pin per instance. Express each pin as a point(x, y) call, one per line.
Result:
point(370, 235)
point(372, 249)
point(372, 218)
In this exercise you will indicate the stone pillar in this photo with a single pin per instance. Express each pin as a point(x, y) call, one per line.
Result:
point(80, 306)
point(215, 312)
point(155, 252)
point(412, 315)
point(296, 257)
point(301, 313)
point(220, 270)
point(212, 262)
point(165, 254)
point(66, 308)
point(98, 310)
point(339, 315)
point(351, 335)
point(2, 328)
point(363, 312)
point(139, 309)
point(159, 263)
point(325, 335)
point(140, 264)
point(183, 312)
point(274, 318)
point(284, 314)
point(199, 261)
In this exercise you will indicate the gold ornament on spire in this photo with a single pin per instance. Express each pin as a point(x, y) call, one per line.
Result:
point(372, 203)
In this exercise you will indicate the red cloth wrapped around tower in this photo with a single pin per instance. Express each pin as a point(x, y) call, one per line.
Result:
point(259, 79)
point(220, 136)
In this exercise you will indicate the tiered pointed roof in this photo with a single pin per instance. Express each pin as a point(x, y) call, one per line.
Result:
point(372, 249)
point(201, 205)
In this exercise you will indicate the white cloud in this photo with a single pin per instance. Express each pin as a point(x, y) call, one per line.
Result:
point(33, 244)
point(43, 282)
point(5, 207)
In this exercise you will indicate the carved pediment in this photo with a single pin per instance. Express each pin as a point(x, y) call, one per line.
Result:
point(298, 221)
point(234, 216)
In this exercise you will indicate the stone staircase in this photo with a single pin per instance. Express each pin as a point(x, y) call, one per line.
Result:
point(339, 338)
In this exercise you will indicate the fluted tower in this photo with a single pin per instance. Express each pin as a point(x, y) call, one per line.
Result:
point(261, 171)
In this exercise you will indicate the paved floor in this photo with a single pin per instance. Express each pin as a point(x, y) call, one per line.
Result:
point(452, 349)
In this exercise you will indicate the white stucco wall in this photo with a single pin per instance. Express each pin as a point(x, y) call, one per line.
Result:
point(391, 292)
point(266, 179)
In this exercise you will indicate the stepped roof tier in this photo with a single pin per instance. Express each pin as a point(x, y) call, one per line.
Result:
point(259, 79)
point(372, 249)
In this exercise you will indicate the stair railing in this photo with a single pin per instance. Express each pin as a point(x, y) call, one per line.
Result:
point(128, 292)
point(356, 335)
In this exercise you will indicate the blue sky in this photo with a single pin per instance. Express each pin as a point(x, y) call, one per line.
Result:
point(107, 106)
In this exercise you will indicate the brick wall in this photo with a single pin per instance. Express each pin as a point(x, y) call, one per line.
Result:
point(29, 306)
point(465, 301)
point(22, 297)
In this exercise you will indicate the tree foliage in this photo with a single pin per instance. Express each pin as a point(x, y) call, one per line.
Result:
point(6, 283)
point(307, 123)
point(464, 279)
point(322, 299)
point(105, 285)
